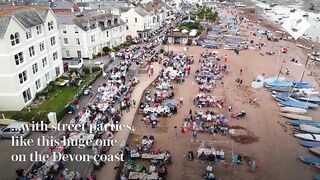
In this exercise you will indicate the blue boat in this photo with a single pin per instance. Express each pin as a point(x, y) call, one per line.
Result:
point(303, 86)
point(279, 84)
point(312, 99)
point(314, 123)
point(309, 144)
point(298, 104)
point(309, 159)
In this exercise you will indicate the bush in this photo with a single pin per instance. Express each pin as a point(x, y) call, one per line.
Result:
point(93, 56)
point(95, 69)
point(116, 49)
point(102, 53)
point(86, 70)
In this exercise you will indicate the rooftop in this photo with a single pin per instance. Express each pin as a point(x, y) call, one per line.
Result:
point(28, 16)
point(89, 20)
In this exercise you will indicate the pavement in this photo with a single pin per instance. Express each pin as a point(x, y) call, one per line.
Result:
point(127, 118)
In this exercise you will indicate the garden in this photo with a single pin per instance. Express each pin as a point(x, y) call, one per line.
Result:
point(55, 98)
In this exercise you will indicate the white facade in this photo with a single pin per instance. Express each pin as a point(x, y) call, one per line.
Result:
point(137, 24)
point(79, 42)
point(28, 65)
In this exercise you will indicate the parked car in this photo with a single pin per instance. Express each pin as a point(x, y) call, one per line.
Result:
point(99, 64)
point(15, 129)
point(75, 63)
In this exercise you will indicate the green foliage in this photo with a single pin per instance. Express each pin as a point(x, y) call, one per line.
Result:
point(86, 70)
point(95, 69)
point(106, 50)
point(205, 13)
point(116, 49)
point(189, 25)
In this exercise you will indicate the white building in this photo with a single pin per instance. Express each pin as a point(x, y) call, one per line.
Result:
point(138, 22)
point(30, 54)
point(85, 34)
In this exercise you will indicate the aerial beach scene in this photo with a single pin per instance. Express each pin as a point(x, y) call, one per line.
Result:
point(157, 89)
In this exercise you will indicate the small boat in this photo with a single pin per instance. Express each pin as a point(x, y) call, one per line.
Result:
point(295, 116)
point(293, 110)
point(298, 104)
point(309, 159)
point(292, 10)
point(308, 91)
point(309, 129)
point(309, 144)
point(273, 4)
point(306, 136)
point(312, 99)
point(267, 9)
point(304, 47)
point(279, 84)
point(305, 15)
point(281, 89)
point(314, 123)
point(315, 150)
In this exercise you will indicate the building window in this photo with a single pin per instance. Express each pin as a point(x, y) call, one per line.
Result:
point(53, 41)
point(68, 53)
point(55, 55)
point(76, 30)
point(57, 71)
point(35, 68)
point(77, 41)
point(126, 20)
point(14, 39)
point(47, 77)
point(135, 20)
point(127, 27)
point(107, 33)
point(93, 39)
point(23, 77)
point(18, 58)
point(64, 30)
point(79, 53)
point(65, 40)
point(39, 30)
point(50, 25)
point(27, 95)
point(31, 51)
point(41, 46)
point(29, 34)
point(44, 62)
point(38, 84)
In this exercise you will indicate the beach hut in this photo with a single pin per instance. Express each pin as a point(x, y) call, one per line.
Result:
point(177, 38)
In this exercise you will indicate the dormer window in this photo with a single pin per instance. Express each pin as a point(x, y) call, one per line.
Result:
point(109, 22)
point(14, 38)
point(50, 25)
point(115, 21)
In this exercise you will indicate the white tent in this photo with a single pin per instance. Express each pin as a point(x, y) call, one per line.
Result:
point(184, 31)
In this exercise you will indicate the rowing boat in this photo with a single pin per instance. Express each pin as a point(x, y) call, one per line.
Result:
point(293, 110)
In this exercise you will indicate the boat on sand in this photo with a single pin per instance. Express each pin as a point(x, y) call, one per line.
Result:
point(293, 110)
point(295, 116)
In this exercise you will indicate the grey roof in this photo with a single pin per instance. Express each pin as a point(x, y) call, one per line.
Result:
point(89, 20)
point(61, 4)
point(27, 16)
point(141, 11)
point(32, 2)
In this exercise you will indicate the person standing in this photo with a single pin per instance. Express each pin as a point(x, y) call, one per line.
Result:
point(240, 71)
point(226, 58)
point(194, 134)
point(175, 131)
point(181, 101)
